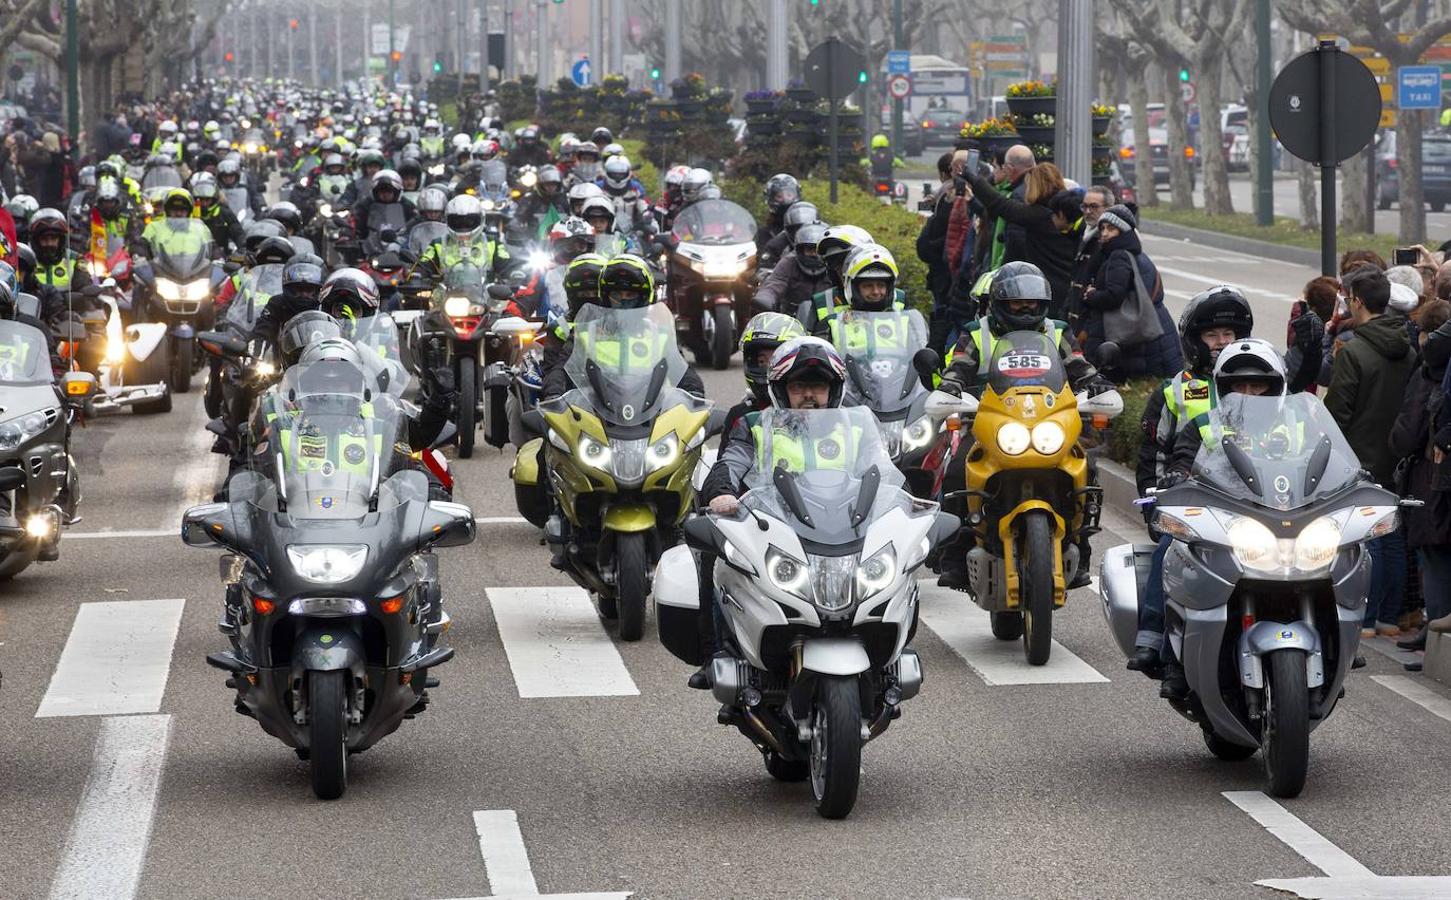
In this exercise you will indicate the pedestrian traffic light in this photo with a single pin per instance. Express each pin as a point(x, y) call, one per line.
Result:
point(861, 77)
point(654, 73)
point(1183, 74)
point(437, 66)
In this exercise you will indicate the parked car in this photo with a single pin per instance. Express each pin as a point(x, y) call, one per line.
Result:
point(1158, 146)
point(942, 126)
point(1123, 189)
point(1435, 170)
point(1234, 125)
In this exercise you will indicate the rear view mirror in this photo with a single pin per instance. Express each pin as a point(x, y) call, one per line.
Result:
point(448, 524)
point(512, 325)
point(701, 534)
point(941, 405)
point(77, 387)
point(500, 291)
point(205, 525)
point(926, 362)
point(1108, 355)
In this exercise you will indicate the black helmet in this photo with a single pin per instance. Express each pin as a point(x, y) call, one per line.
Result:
point(802, 212)
point(582, 281)
point(1218, 307)
point(261, 230)
point(627, 272)
point(304, 329)
point(288, 214)
point(836, 243)
point(1018, 281)
point(807, 247)
point(273, 250)
point(49, 222)
point(602, 136)
point(765, 331)
point(349, 294)
point(806, 359)
point(370, 157)
point(302, 278)
point(782, 190)
point(410, 167)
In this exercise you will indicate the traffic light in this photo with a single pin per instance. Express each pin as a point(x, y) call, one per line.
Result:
point(654, 73)
point(292, 23)
point(228, 56)
point(861, 77)
point(437, 67)
point(1183, 74)
point(396, 56)
point(815, 3)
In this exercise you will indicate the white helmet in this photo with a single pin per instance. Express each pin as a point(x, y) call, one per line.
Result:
point(617, 172)
point(1250, 360)
point(465, 216)
point(695, 181)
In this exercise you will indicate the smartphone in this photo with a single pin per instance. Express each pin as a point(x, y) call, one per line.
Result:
point(1407, 256)
point(974, 158)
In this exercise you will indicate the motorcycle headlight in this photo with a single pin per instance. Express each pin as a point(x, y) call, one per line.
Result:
point(436, 169)
point(787, 574)
point(459, 307)
point(1047, 438)
point(917, 435)
point(594, 454)
point(663, 453)
point(1317, 544)
point(720, 270)
point(1253, 544)
point(17, 431)
point(528, 179)
point(115, 352)
point(1013, 438)
point(835, 578)
point(539, 260)
point(168, 289)
point(488, 205)
point(264, 369)
point(876, 573)
point(325, 210)
point(327, 564)
point(249, 148)
point(200, 289)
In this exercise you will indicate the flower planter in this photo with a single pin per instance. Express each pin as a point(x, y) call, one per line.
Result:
point(1101, 123)
point(766, 126)
point(1027, 107)
point(1032, 134)
point(997, 144)
point(1104, 152)
point(801, 94)
point(760, 107)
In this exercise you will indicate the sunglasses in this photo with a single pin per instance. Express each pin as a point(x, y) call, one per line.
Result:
point(1089, 207)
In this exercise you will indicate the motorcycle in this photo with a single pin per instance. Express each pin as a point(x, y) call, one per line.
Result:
point(1029, 495)
point(1266, 579)
point(621, 447)
point(178, 288)
point(131, 363)
point(710, 277)
point(333, 606)
point(817, 594)
point(39, 484)
point(235, 378)
point(512, 381)
point(890, 191)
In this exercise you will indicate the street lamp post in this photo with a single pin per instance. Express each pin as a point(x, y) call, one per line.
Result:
point(73, 72)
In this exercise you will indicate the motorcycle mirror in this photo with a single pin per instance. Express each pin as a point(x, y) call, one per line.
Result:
point(499, 291)
point(1108, 355)
point(92, 290)
point(448, 524)
point(206, 525)
point(512, 325)
point(941, 405)
point(1109, 403)
point(926, 362)
point(533, 422)
point(701, 534)
point(77, 386)
point(72, 332)
point(943, 528)
point(516, 277)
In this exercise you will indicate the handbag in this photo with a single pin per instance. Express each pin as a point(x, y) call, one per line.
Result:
point(1134, 321)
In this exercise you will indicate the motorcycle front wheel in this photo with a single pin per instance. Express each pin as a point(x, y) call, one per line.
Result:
point(468, 400)
point(722, 337)
point(328, 733)
point(1285, 742)
point(1035, 586)
point(181, 360)
point(631, 584)
point(836, 745)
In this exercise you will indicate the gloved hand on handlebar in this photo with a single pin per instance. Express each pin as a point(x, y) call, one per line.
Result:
point(950, 386)
point(1099, 385)
point(1170, 479)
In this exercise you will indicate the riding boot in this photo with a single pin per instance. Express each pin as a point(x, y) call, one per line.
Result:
point(700, 679)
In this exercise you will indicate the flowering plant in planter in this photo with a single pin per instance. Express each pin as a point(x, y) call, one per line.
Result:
point(1033, 89)
point(1100, 109)
point(1003, 127)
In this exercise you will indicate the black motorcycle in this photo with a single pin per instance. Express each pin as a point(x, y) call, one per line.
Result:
point(177, 287)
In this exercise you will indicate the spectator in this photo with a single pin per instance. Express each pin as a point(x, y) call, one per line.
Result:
point(1043, 243)
point(1425, 471)
point(1007, 179)
point(1096, 199)
point(1320, 296)
point(1367, 388)
point(1341, 327)
point(1112, 284)
point(932, 250)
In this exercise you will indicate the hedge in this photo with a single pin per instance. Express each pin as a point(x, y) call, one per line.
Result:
point(892, 226)
point(1126, 432)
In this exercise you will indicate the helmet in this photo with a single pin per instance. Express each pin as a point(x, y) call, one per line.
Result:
point(609, 150)
point(617, 172)
point(302, 279)
point(587, 148)
point(807, 247)
point(800, 213)
point(167, 128)
point(204, 189)
point(229, 171)
point(460, 143)
point(626, 274)
point(836, 243)
point(805, 359)
point(568, 143)
point(334, 164)
point(49, 222)
point(348, 294)
point(1249, 360)
point(596, 208)
point(569, 238)
point(86, 177)
point(582, 281)
point(880, 142)
point(586, 161)
point(410, 167)
point(288, 214)
point(869, 262)
point(387, 180)
point(261, 230)
point(370, 157)
point(765, 332)
point(675, 179)
point(1218, 307)
point(529, 134)
point(549, 175)
point(431, 203)
point(22, 208)
point(601, 136)
point(108, 198)
point(26, 257)
point(465, 215)
point(1018, 281)
point(9, 287)
point(582, 192)
point(273, 250)
point(782, 190)
point(694, 182)
point(304, 330)
point(484, 150)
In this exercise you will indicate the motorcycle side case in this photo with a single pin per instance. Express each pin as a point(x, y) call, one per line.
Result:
point(1123, 578)
point(677, 603)
point(526, 463)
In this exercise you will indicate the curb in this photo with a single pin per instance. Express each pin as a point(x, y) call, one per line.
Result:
point(1119, 488)
point(1250, 246)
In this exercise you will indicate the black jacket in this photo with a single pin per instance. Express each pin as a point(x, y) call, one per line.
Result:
point(932, 248)
point(788, 286)
point(226, 230)
point(1041, 244)
point(1113, 283)
point(1367, 388)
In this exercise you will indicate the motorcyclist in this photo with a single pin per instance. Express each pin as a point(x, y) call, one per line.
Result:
point(430, 207)
point(881, 161)
point(229, 176)
point(385, 205)
point(115, 167)
point(839, 240)
point(113, 214)
point(581, 192)
point(57, 270)
point(220, 220)
point(581, 284)
point(468, 242)
point(670, 200)
point(529, 148)
point(370, 162)
point(632, 209)
point(22, 208)
point(799, 275)
point(302, 281)
point(586, 163)
point(802, 212)
point(693, 188)
point(781, 191)
point(411, 171)
point(543, 206)
point(599, 214)
point(269, 251)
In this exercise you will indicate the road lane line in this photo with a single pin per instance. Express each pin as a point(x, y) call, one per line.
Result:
point(1213, 282)
point(143, 533)
point(197, 479)
point(500, 520)
point(1417, 693)
point(502, 844)
point(106, 848)
point(556, 644)
point(965, 628)
point(1315, 848)
point(115, 661)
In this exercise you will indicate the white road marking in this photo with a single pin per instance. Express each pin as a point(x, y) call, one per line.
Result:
point(1417, 693)
point(115, 661)
point(143, 533)
point(501, 520)
point(967, 630)
point(1212, 282)
point(1345, 878)
point(506, 861)
point(197, 480)
point(556, 644)
point(108, 839)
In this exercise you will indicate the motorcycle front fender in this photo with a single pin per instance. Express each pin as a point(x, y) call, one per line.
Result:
point(329, 650)
point(834, 656)
point(1264, 638)
point(629, 518)
point(183, 331)
point(526, 463)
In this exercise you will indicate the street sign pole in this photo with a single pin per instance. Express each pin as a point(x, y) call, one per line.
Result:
point(1328, 220)
point(1264, 141)
point(73, 78)
point(897, 103)
point(831, 132)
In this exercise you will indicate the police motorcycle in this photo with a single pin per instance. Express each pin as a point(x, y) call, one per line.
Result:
point(620, 450)
point(495, 197)
point(39, 483)
point(818, 595)
point(880, 349)
point(131, 362)
point(710, 277)
point(333, 607)
point(177, 290)
point(1266, 579)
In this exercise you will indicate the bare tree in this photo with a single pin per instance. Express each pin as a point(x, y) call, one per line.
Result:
point(1138, 58)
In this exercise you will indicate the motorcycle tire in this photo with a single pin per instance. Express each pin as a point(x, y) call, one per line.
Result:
point(608, 608)
point(1285, 741)
point(1226, 750)
point(836, 745)
point(468, 406)
point(179, 378)
point(788, 770)
point(327, 706)
point(161, 404)
point(632, 584)
point(1007, 626)
point(1035, 586)
point(722, 339)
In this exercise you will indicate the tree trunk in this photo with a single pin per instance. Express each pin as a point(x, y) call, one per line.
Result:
point(1412, 198)
point(1143, 156)
point(1181, 193)
point(1217, 199)
point(1309, 196)
point(1353, 213)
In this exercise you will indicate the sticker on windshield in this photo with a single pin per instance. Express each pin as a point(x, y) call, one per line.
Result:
point(1024, 365)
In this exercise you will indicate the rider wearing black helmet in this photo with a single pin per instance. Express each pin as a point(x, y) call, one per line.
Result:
point(57, 270)
point(781, 191)
point(301, 283)
point(802, 212)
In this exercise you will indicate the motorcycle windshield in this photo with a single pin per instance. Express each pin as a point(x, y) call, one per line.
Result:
point(823, 471)
point(328, 447)
point(259, 285)
point(24, 355)
point(377, 337)
point(714, 222)
point(236, 198)
point(878, 348)
point(494, 177)
point(624, 360)
point(1025, 359)
point(424, 234)
point(1277, 451)
point(183, 248)
point(160, 177)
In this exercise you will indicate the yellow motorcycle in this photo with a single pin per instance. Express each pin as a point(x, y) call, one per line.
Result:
point(620, 450)
point(1029, 494)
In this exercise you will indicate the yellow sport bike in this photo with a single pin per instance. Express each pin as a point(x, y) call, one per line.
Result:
point(1029, 494)
point(621, 448)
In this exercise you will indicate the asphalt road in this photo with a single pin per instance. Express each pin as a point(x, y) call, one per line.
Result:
point(1085, 786)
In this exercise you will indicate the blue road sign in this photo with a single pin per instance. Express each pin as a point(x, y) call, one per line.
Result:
point(899, 62)
point(1418, 87)
point(581, 72)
